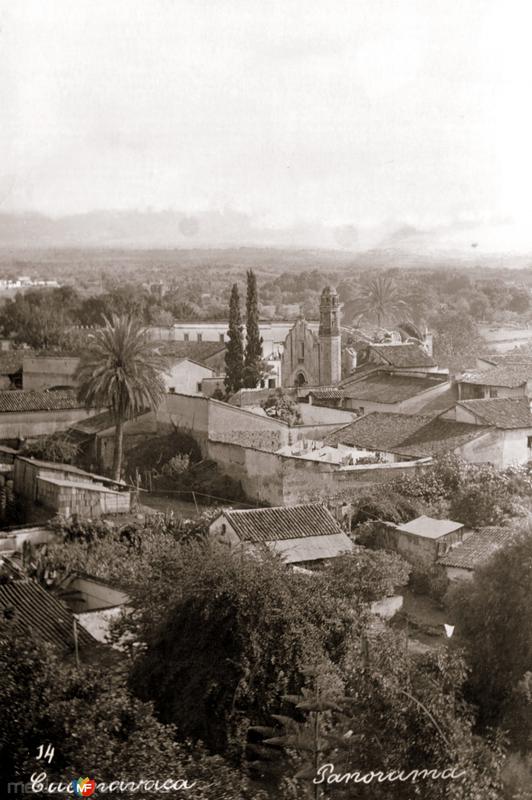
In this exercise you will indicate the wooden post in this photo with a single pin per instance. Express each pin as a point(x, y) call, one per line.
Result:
point(194, 498)
point(76, 648)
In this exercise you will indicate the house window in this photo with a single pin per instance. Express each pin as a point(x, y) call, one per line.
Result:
point(271, 383)
point(222, 337)
point(186, 337)
point(529, 442)
point(199, 337)
point(198, 386)
point(494, 392)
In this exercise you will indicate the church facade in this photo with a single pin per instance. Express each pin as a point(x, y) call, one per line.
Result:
point(314, 359)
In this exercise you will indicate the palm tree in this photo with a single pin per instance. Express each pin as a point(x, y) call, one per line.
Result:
point(121, 370)
point(380, 301)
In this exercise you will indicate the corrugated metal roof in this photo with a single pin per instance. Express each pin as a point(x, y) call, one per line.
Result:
point(478, 548)
point(285, 522)
point(430, 528)
point(42, 613)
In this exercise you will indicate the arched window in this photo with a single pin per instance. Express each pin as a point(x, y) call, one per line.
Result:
point(300, 379)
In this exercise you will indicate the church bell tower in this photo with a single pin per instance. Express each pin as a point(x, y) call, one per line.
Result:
point(330, 357)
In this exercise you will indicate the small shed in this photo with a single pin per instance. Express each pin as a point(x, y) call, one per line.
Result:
point(426, 539)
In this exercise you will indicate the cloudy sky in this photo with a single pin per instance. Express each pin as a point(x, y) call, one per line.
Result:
point(366, 112)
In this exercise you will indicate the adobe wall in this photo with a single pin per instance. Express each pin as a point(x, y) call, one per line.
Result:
point(227, 423)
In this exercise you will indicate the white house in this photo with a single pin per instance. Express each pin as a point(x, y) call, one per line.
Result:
point(185, 376)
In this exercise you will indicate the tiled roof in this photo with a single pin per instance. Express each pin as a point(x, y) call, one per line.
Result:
point(406, 434)
point(196, 351)
point(440, 436)
point(478, 548)
point(326, 393)
point(502, 412)
point(17, 400)
point(383, 387)
point(508, 375)
point(403, 356)
point(42, 613)
point(286, 522)
point(377, 431)
point(429, 527)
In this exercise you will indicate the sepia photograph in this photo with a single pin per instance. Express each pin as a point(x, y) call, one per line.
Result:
point(266, 399)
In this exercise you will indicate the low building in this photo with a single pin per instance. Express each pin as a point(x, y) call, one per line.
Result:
point(33, 611)
point(209, 354)
point(383, 390)
point(25, 414)
point(95, 437)
point(301, 534)
point(186, 376)
point(424, 539)
point(510, 417)
point(462, 561)
point(68, 490)
point(95, 602)
point(503, 380)
point(47, 370)
point(402, 436)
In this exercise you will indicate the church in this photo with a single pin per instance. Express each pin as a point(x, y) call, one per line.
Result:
point(315, 359)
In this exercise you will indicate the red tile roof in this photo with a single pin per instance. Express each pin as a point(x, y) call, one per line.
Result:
point(18, 400)
point(41, 613)
point(501, 412)
point(286, 522)
point(478, 548)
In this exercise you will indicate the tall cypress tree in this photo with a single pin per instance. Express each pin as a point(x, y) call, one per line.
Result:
point(234, 354)
point(253, 369)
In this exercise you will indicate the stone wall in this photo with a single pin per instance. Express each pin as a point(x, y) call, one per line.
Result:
point(286, 480)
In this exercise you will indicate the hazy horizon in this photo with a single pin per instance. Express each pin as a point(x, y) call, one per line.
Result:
point(343, 123)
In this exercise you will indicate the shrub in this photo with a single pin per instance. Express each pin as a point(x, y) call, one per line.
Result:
point(177, 466)
point(429, 580)
point(56, 448)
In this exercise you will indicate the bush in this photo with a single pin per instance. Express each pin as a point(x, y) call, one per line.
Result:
point(177, 466)
point(56, 448)
point(158, 450)
point(431, 581)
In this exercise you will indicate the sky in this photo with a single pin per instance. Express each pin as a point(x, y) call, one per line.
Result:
point(364, 112)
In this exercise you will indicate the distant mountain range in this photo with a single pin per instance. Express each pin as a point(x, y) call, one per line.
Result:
point(407, 245)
